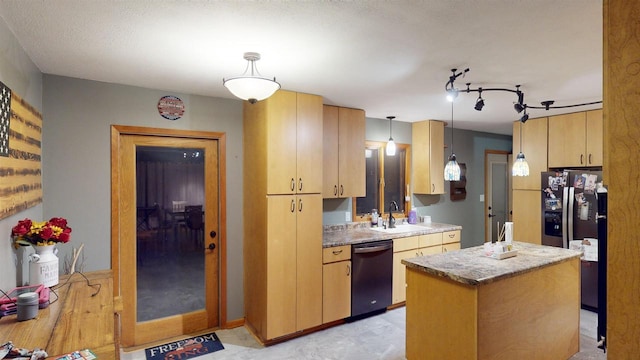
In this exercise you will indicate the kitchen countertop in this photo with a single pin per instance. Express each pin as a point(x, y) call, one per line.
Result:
point(356, 233)
point(470, 266)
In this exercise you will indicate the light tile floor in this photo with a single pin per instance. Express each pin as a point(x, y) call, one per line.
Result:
point(378, 337)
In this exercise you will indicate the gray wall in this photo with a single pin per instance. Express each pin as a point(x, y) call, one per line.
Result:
point(76, 161)
point(469, 148)
point(20, 74)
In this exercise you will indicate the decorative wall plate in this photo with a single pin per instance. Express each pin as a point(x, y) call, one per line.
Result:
point(171, 107)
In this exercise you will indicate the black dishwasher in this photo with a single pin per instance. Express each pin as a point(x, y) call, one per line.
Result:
point(372, 275)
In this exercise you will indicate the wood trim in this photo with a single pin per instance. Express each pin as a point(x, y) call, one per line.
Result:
point(487, 152)
point(116, 132)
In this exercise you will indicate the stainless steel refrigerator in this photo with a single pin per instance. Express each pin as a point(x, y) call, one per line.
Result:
point(569, 220)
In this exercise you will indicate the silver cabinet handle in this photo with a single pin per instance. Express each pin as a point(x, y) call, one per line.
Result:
point(293, 205)
point(581, 158)
point(348, 270)
point(300, 205)
point(337, 252)
point(433, 187)
point(335, 190)
point(341, 189)
point(451, 236)
point(589, 159)
point(300, 188)
point(293, 184)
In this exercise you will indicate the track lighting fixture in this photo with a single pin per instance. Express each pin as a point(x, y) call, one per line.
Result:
point(480, 101)
point(519, 106)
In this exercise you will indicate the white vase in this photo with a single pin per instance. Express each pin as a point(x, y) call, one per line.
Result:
point(43, 266)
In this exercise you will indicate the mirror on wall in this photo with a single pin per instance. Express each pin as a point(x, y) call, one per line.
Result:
point(387, 179)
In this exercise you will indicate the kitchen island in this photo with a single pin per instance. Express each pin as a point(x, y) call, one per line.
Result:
point(465, 305)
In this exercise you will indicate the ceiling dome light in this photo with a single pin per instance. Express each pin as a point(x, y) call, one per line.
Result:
point(251, 87)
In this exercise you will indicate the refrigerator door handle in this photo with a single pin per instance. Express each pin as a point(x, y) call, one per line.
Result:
point(570, 217)
point(565, 208)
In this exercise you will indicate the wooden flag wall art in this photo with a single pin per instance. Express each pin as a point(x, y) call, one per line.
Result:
point(20, 154)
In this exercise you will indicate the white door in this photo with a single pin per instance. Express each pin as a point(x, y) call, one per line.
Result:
point(496, 194)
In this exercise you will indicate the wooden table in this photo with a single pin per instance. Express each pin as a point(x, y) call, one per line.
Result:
point(464, 305)
point(76, 321)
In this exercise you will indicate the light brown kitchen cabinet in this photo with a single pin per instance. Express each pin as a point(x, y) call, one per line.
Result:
point(414, 246)
point(343, 152)
point(534, 145)
point(427, 143)
point(575, 140)
point(282, 214)
point(336, 283)
point(527, 218)
point(288, 129)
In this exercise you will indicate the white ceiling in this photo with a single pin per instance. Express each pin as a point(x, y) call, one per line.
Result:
point(387, 57)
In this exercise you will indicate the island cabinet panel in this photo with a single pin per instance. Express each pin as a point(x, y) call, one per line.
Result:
point(343, 147)
point(530, 311)
point(336, 284)
point(427, 142)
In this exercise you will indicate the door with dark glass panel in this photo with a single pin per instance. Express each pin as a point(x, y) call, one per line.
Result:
point(169, 270)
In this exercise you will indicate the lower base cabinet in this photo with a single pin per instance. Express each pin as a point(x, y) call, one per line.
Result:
point(414, 246)
point(336, 283)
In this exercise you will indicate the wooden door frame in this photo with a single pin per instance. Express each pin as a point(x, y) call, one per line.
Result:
point(486, 186)
point(116, 132)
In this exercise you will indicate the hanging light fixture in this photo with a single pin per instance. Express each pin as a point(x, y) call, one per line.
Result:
point(391, 145)
point(251, 86)
point(520, 165)
point(452, 169)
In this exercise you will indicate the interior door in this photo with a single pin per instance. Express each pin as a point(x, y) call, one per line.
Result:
point(168, 264)
point(496, 194)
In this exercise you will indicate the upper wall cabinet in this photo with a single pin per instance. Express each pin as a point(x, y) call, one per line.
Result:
point(343, 159)
point(427, 142)
point(287, 127)
point(575, 140)
point(534, 143)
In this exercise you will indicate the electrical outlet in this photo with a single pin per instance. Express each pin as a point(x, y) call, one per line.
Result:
point(481, 197)
point(347, 216)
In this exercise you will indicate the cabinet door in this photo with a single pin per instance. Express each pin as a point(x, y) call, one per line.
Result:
point(309, 261)
point(450, 247)
point(527, 216)
point(534, 145)
point(427, 145)
point(280, 144)
point(281, 266)
point(336, 291)
point(567, 140)
point(309, 144)
point(449, 237)
point(399, 284)
point(429, 250)
point(330, 152)
point(351, 162)
point(595, 131)
point(436, 150)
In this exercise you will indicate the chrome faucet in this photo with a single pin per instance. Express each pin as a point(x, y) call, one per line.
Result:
point(392, 220)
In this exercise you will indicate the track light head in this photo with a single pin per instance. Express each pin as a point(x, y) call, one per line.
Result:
point(479, 104)
point(518, 107)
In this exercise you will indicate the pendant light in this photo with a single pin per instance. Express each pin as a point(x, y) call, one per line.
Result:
point(251, 86)
point(391, 146)
point(520, 166)
point(452, 169)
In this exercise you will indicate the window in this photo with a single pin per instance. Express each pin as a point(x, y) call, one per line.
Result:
point(387, 180)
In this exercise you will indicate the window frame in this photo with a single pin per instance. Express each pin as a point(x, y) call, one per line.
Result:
point(380, 146)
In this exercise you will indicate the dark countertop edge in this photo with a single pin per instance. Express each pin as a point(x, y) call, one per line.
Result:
point(360, 235)
point(491, 279)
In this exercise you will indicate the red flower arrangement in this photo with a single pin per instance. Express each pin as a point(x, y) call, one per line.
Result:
point(28, 232)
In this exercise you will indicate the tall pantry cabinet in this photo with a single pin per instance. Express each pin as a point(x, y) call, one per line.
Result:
point(282, 214)
point(527, 221)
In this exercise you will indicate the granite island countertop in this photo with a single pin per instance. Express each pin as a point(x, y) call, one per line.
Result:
point(470, 266)
point(356, 233)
